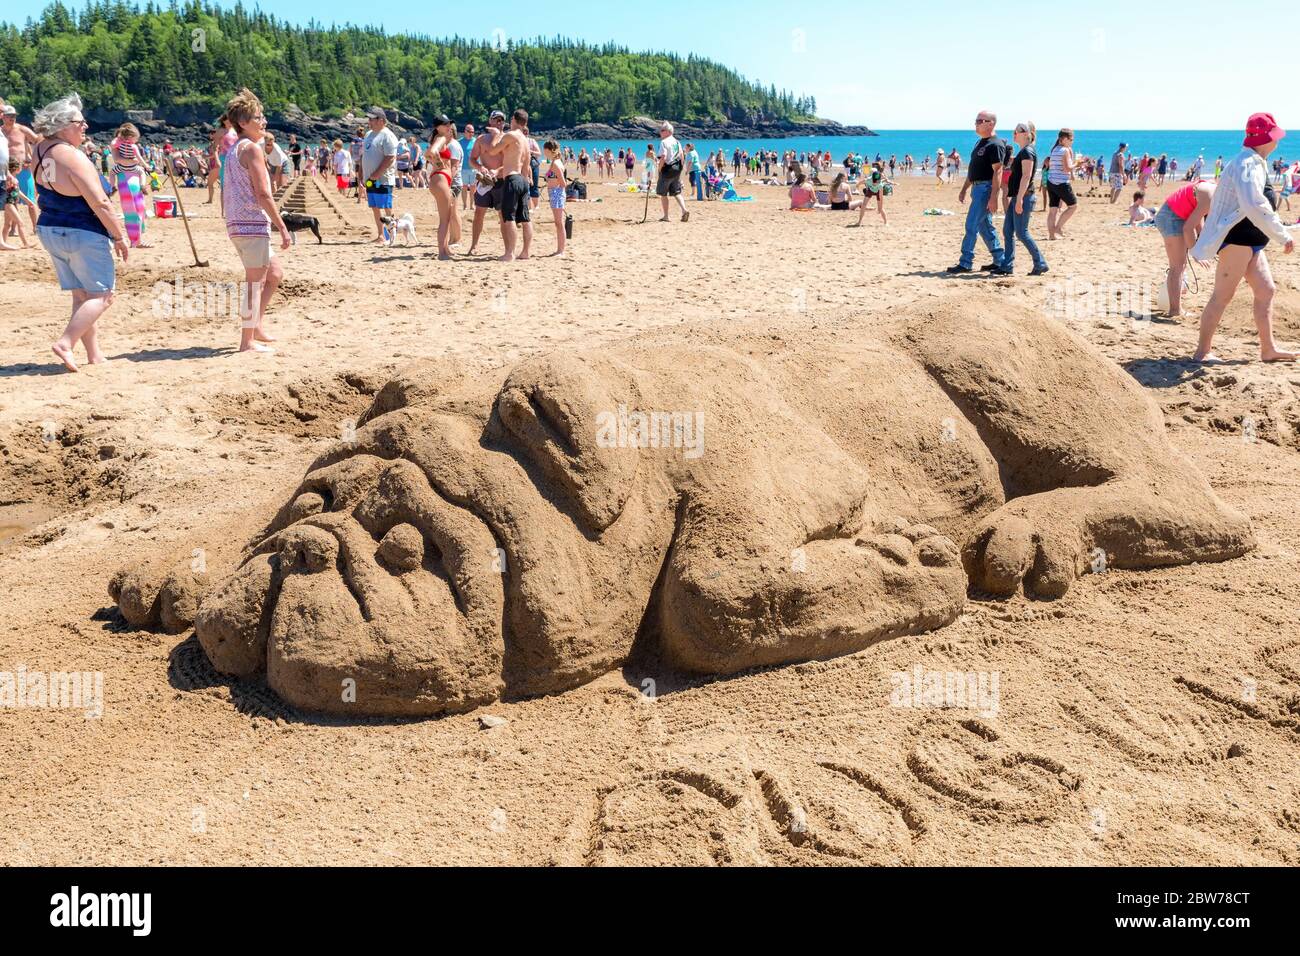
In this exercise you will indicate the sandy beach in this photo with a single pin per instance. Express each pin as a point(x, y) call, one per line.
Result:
point(1147, 717)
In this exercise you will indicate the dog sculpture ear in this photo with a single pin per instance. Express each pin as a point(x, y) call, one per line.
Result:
point(555, 406)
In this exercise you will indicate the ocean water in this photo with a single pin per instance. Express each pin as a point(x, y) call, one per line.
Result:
point(1183, 145)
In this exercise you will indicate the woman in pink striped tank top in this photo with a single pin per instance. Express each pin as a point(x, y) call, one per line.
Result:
point(1179, 222)
point(250, 212)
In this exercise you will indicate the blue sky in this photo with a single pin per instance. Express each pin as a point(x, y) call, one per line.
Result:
point(917, 65)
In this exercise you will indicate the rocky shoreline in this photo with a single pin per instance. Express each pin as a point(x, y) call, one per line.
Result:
point(186, 125)
point(642, 127)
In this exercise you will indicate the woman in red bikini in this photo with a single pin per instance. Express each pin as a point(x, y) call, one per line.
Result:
point(440, 180)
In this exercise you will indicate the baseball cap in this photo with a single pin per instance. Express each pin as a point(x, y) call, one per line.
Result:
point(376, 112)
point(9, 110)
point(1261, 128)
point(496, 114)
point(442, 119)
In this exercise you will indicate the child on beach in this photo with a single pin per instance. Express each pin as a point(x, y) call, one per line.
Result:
point(557, 188)
point(875, 186)
point(342, 167)
point(12, 199)
point(1139, 214)
point(132, 182)
point(224, 142)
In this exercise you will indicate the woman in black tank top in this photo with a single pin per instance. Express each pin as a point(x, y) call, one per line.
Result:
point(77, 226)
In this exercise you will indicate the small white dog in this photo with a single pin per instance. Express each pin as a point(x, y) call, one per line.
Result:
point(404, 227)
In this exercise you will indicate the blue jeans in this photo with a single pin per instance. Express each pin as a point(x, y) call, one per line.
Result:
point(1016, 226)
point(980, 220)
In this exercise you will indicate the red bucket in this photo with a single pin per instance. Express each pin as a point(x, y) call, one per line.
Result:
point(164, 207)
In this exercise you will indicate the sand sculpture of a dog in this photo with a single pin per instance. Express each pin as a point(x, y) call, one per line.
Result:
point(741, 499)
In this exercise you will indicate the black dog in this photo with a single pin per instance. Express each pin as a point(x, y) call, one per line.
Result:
point(296, 221)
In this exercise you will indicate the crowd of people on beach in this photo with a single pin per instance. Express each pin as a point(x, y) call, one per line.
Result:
point(65, 195)
point(1230, 218)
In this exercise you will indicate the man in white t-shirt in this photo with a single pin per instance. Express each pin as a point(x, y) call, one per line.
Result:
point(275, 161)
point(378, 158)
point(671, 162)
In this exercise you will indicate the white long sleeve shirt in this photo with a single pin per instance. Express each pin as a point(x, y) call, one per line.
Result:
point(1240, 195)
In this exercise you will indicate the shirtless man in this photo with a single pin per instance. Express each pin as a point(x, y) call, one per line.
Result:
point(513, 150)
point(20, 140)
point(484, 199)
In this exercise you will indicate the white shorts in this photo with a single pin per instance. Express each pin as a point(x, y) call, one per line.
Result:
point(255, 252)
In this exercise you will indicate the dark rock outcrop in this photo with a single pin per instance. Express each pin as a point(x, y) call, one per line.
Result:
point(187, 124)
point(643, 127)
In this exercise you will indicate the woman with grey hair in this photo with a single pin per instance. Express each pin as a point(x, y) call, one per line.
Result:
point(77, 225)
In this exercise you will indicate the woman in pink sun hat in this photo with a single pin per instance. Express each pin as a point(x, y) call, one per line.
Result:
point(1242, 220)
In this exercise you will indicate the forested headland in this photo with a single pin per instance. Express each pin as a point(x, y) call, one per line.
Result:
point(119, 56)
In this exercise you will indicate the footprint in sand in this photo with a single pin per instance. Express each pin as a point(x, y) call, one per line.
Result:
point(967, 766)
point(1260, 406)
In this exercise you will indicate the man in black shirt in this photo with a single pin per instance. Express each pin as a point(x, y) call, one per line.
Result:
point(983, 182)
